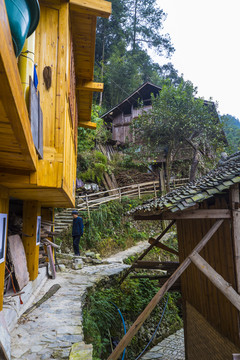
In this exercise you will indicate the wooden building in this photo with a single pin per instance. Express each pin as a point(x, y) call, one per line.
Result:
point(120, 117)
point(38, 137)
point(207, 217)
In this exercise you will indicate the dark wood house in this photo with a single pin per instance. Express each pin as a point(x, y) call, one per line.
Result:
point(207, 216)
point(120, 117)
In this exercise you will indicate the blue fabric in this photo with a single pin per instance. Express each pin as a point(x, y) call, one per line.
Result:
point(77, 228)
point(35, 77)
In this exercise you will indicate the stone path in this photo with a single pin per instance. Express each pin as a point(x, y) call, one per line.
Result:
point(50, 330)
point(171, 348)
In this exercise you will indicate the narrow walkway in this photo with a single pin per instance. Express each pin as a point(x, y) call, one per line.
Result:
point(50, 330)
point(171, 348)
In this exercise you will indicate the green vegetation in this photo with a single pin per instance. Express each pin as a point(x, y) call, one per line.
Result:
point(231, 126)
point(102, 322)
point(178, 122)
point(108, 230)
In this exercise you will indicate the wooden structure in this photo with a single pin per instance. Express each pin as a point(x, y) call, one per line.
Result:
point(208, 228)
point(120, 117)
point(64, 54)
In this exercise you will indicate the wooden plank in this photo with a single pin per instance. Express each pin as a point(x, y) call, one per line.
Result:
point(216, 279)
point(89, 86)
point(163, 247)
point(87, 125)
point(188, 214)
point(93, 7)
point(147, 311)
point(147, 250)
point(235, 200)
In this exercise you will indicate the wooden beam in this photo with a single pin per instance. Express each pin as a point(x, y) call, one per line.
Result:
point(87, 125)
point(235, 200)
point(31, 211)
point(147, 250)
point(216, 279)
point(163, 247)
point(162, 265)
point(89, 86)
point(188, 214)
point(147, 311)
point(92, 7)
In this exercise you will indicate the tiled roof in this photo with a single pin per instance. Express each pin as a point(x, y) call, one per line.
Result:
point(221, 178)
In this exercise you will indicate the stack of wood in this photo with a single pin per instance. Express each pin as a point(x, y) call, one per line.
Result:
point(45, 251)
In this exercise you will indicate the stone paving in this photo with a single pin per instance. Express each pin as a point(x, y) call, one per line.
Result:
point(171, 348)
point(50, 330)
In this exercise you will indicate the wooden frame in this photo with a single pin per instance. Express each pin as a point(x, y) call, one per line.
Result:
point(188, 214)
point(144, 315)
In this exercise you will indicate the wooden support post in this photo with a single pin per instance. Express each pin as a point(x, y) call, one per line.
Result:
point(216, 279)
point(147, 250)
point(120, 195)
point(139, 192)
point(155, 191)
point(87, 206)
point(147, 311)
point(4, 207)
point(163, 247)
point(31, 211)
point(235, 206)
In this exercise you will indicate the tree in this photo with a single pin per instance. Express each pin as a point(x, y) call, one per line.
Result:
point(231, 126)
point(178, 119)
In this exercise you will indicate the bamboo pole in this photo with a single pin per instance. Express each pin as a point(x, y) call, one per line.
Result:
point(216, 279)
point(147, 311)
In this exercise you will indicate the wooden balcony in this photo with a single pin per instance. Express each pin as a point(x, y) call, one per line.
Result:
point(17, 150)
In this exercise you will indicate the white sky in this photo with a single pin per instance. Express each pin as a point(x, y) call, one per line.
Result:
point(206, 36)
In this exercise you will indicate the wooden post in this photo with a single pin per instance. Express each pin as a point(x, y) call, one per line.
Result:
point(139, 192)
point(147, 250)
point(234, 198)
point(155, 191)
point(120, 195)
point(87, 206)
point(147, 311)
point(31, 211)
point(4, 208)
point(163, 247)
point(216, 279)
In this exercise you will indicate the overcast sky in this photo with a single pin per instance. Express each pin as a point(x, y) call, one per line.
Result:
point(206, 36)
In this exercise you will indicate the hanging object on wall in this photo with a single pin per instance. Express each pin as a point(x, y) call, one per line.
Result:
point(47, 76)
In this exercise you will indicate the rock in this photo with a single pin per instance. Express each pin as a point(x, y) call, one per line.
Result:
point(77, 264)
point(98, 256)
point(87, 260)
point(90, 254)
point(61, 267)
point(81, 351)
point(96, 261)
point(65, 256)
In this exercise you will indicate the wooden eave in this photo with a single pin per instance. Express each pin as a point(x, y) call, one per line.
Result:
point(83, 17)
point(17, 149)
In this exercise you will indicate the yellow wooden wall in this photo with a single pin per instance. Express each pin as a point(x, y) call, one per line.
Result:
point(58, 167)
point(4, 206)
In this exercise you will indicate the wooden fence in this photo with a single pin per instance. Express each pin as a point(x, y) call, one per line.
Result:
point(88, 201)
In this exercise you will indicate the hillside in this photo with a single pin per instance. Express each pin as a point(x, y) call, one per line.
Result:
point(231, 126)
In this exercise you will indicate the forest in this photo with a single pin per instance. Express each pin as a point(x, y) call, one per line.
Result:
point(123, 61)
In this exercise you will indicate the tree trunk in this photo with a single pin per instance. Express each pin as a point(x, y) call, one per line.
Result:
point(135, 26)
point(194, 165)
point(168, 167)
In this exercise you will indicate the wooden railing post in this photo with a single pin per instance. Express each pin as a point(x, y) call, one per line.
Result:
point(87, 206)
point(139, 191)
point(120, 194)
point(155, 191)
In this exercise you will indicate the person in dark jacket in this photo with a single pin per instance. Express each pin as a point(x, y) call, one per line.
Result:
point(77, 231)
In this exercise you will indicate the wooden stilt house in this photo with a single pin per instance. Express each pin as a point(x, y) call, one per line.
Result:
point(207, 216)
point(46, 91)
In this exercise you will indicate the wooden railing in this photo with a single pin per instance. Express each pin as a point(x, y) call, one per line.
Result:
point(88, 201)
